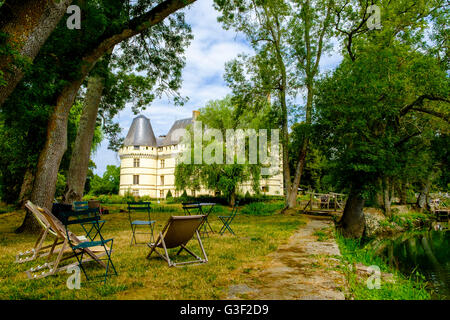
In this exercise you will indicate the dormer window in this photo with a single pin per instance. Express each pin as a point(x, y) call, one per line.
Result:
point(136, 147)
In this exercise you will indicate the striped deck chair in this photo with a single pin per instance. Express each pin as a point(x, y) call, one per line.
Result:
point(178, 231)
point(50, 268)
point(39, 250)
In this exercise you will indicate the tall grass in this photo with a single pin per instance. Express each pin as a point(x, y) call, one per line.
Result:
point(402, 288)
point(262, 208)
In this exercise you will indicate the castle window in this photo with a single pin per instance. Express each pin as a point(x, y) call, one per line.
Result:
point(161, 194)
point(162, 163)
point(135, 179)
point(136, 163)
point(162, 180)
point(265, 189)
point(135, 193)
point(136, 147)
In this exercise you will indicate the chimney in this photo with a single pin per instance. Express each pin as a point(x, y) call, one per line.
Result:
point(195, 114)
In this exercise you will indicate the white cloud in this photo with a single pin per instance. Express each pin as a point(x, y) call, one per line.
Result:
point(202, 77)
point(211, 47)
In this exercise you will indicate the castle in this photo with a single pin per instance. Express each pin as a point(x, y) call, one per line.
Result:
point(147, 163)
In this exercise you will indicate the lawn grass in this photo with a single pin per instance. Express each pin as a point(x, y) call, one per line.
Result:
point(140, 278)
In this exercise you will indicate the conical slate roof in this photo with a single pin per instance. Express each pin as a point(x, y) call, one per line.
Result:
point(140, 133)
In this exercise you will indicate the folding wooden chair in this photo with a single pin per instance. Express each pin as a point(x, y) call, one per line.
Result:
point(63, 235)
point(178, 231)
point(227, 220)
point(39, 250)
point(140, 207)
point(83, 208)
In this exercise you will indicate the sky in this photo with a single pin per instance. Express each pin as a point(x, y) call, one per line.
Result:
point(211, 47)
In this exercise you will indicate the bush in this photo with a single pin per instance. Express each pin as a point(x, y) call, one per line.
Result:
point(262, 208)
point(169, 195)
point(144, 199)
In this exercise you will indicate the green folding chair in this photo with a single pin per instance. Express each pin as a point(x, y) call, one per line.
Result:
point(227, 220)
point(82, 207)
point(144, 207)
point(80, 249)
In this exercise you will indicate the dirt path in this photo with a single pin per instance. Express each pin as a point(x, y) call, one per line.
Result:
point(302, 269)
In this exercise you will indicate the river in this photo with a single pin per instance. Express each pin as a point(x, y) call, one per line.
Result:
point(427, 252)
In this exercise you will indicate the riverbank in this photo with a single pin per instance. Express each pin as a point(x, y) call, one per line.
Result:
point(403, 219)
point(361, 262)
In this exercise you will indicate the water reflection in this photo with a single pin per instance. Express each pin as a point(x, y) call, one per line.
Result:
point(428, 252)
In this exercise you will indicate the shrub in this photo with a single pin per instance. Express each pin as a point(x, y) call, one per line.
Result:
point(169, 195)
point(262, 208)
point(144, 199)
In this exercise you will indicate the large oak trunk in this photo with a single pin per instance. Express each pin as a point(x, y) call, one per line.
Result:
point(50, 158)
point(79, 161)
point(352, 222)
point(27, 187)
point(28, 23)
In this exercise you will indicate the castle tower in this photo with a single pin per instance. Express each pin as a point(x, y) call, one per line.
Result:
point(138, 159)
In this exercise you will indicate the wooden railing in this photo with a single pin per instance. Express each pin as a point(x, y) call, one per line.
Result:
point(325, 201)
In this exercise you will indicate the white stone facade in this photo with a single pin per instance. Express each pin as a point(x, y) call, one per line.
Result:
point(148, 164)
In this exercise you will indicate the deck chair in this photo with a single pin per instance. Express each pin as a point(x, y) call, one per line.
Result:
point(92, 217)
point(144, 207)
point(83, 207)
point(39, 250)
point(50, 268)
point(178, 231)
point(227, 220)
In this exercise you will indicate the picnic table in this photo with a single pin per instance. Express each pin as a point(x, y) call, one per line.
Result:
point(198, 206)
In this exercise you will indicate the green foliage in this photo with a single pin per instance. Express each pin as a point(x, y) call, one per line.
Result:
point(108, 184)
point(223, 177)
point(262, 208)
point(145, 67)
point(353, 252)
point(169, 195)
point(363, 113)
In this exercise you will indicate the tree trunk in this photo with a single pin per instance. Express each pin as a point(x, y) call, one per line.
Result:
point(27, 187)
point(422, 199)
point(79, 161)
point(285, 140)
point(352, 222)
point(28, 222)
point(232, 198)
point(28, 23)
point(403, 187)
point(387, 196)
point(292, 196)
point(50, 158)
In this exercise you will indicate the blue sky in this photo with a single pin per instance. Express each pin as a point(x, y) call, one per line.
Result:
point(202, 76)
